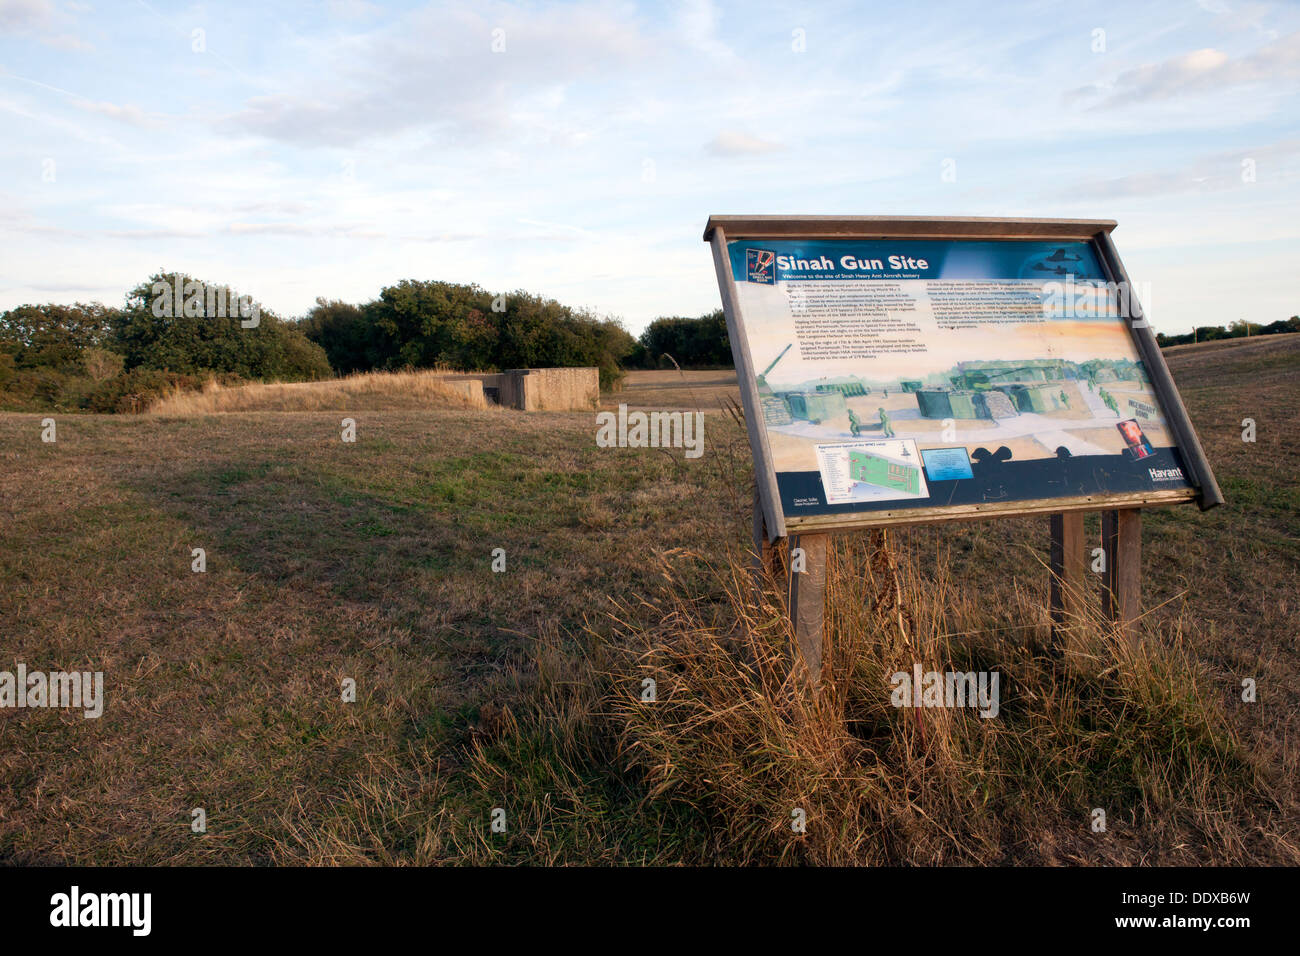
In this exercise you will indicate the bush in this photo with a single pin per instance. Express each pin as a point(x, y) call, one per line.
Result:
point(55, 336)
point(350, 340)
point(42, 389)
point(101, 364)
point(136, 390)
point(611, 377)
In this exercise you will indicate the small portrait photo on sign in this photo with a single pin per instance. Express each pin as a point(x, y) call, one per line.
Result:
point(1138, 446)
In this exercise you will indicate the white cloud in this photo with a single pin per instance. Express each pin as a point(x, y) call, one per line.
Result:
point(1210, 173)
point(1276, 65)
point(43, 18)
point(436, 70)
point(735, 143)
point(125, 113)
point(351, 9)
point(18, 15)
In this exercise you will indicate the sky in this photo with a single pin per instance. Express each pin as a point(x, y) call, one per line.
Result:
point(296, 150)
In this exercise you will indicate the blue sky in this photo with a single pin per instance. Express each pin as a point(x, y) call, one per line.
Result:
point(304, 149)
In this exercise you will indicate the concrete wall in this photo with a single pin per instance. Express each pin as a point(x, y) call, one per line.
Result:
point(471, 387)
point(550, 389)
point(486, 385)
point(535, 389)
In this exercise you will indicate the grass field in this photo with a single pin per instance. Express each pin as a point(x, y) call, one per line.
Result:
point(518, 690)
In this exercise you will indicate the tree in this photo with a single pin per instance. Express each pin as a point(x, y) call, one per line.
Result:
point(692, 343)
point(430, 324)
point(347, 335)
point(539, 332)
point(426, 324)
point(205, 329)
point(55, 336)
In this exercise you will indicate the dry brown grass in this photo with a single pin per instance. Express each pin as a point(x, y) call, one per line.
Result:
point(521, 690)
point(732, 747)
point(365, 392)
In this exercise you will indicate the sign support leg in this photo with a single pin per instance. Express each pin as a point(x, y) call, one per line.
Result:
point(1067, 574)
point(764, 557)
point(808, 601)
point(1121, 538)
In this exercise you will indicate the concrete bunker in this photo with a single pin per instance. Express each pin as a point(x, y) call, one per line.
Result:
point(535, 389)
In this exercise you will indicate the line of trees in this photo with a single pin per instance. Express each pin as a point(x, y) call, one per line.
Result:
point(1239, 329)
point(176, 332)
point(691, 343)
point(91, 356)
point(417, 324)
point(444, 324)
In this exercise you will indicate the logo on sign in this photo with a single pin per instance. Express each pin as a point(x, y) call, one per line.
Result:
point(760, 266)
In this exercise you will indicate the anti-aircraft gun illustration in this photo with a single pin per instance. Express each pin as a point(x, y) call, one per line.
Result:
point(763, 387)
point(782, 408)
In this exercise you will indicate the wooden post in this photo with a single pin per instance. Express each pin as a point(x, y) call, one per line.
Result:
point(808, 601)
point(764, 562)
point(1121, 539)
point(1067, 574)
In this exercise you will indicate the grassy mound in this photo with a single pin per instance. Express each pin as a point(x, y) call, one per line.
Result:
point(370, 391)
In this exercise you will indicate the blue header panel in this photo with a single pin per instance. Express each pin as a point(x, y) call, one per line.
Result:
point(779, 260)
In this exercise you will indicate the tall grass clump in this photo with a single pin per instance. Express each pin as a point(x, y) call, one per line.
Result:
point(1095, 724)
point(733, 752)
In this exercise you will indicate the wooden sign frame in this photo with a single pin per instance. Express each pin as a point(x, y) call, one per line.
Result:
point(722, 229)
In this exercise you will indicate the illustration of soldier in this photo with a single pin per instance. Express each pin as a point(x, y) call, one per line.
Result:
point(884, 424)
point(1109, 401)
point(855, 426)
point(1065, 400)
